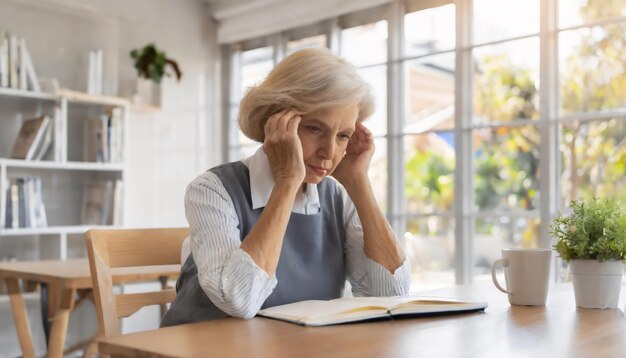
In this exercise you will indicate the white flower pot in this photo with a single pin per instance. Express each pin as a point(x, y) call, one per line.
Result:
point(597, 284)
point(148, 92)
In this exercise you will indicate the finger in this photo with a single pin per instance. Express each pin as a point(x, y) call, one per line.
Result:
point(361, 128)
point(283, 123)
point(270, 125)
point(363, 134)
point(266, 128)
point(280, 116)
point(270, 121)
point(360, 139)
point(357, 136)
point(366, 137)
point(293, 124)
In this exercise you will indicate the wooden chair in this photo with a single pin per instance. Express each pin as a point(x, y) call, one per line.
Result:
point(109, 249)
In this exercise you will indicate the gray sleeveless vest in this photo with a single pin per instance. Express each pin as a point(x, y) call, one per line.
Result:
point(311, 264)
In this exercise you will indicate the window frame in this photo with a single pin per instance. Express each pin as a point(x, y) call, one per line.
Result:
point(464, 213)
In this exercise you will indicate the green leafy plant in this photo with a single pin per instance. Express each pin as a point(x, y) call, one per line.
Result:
point(151, 63)
point(595, 230)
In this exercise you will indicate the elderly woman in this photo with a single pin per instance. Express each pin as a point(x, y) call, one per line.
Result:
point(274, 228)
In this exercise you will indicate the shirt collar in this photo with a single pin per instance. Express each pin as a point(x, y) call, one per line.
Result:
point(262, 183)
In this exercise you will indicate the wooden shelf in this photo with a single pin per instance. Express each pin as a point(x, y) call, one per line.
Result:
point(84, 98)
point(16, 93)
point(72, 96)
point(51, 230)
point(35, 164)
point(144, 108)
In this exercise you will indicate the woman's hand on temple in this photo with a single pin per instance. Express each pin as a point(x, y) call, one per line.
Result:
point(356, 162)
point(284, 149)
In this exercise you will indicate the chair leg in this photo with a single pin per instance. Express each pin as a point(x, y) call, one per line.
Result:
point(91, 348)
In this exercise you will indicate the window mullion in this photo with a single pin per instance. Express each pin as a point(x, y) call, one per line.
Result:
point(279, 44)
point(463, 172)
point(333, 35)
point(232, 57)
point(549, 146)
point(395, 116)
point(549, 165)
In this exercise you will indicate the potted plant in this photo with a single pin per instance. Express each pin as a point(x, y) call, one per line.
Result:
point(152, 65)
point(592, 238)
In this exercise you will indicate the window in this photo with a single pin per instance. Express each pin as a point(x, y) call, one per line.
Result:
point(592, 93)
point(428, 138)
point(505, 139)
point(254, 65)
point(365, 46)
point(592, 98)
point(472, 178)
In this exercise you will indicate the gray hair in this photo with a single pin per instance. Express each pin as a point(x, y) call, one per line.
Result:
point(307, 81)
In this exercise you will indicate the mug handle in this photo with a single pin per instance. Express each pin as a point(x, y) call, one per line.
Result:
point(503, 263)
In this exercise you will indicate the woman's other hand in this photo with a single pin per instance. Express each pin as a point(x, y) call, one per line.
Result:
point(356, 162)
point(284, 149)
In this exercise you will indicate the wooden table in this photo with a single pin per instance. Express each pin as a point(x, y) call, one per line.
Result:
point(557, 330)
point(60, 282)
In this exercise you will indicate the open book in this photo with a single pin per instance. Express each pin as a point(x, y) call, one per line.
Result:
point(353, 309)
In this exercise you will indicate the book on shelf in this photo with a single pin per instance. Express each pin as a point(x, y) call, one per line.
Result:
point(24, 204)
point(21, 64)
point(4, 58)
point(355, 309)
point(32, 141)
point(40, 212)
point(28, 77)
point(103, 138)
point(13, 58)
point(12, 216)
point(102, 203)
point(16, 65)
point(96, 202)
point(116, 135)
point(91, 83)
point(118, 203)
point(94, 79)
point(96, 142)
point(42, 146)
point(24, 218)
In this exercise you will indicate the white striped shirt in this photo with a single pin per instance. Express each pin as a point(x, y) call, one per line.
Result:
point(230, 277)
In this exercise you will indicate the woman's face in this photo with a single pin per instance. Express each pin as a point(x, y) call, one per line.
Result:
point(325, 136)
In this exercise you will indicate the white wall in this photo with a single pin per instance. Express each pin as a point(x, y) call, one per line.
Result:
point(170, 148)
point(167, 149)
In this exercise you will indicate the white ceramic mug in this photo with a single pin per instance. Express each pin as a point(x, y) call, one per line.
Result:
point(527, 273)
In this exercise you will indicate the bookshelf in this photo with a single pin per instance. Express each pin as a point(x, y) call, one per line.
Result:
point(64, 170)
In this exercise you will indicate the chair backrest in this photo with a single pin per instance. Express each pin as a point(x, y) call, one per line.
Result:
point(109, 249)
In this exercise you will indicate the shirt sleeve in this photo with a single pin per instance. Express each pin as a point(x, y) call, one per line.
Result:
point(227, 274)
point(367, 277)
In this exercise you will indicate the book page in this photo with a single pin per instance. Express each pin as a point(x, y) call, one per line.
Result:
point(302, 311)
point(391, 302)
point(419, 304)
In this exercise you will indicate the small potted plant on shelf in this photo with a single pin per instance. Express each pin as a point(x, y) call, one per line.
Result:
point(592, 239)
point(151, 65)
